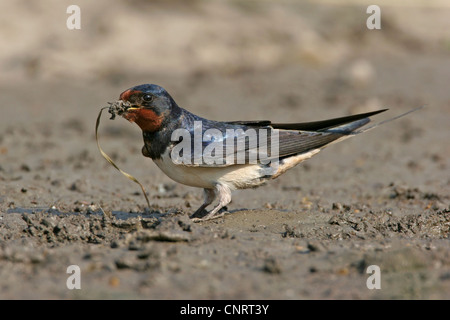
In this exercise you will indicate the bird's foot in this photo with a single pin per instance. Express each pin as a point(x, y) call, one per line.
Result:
point(208, 215)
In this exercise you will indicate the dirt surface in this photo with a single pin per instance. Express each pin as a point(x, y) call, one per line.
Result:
point(381, 198)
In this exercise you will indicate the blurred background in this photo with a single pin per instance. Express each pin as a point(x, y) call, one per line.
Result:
point(231, 60)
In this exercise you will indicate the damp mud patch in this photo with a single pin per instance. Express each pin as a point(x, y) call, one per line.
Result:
point(378, 225)
point(54, 228)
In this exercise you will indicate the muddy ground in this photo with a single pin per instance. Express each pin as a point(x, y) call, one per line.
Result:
point(381, 198)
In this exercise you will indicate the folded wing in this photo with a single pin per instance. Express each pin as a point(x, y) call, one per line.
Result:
point(244, 142)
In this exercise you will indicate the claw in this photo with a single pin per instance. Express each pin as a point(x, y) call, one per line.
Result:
point(209, 217)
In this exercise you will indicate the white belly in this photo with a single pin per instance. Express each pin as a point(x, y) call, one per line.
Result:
point(235, 176)
point(238, 176)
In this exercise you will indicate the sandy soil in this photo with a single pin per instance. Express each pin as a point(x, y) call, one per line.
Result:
point(382, 198)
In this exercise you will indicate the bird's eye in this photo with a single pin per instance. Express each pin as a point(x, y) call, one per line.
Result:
point(147, 98)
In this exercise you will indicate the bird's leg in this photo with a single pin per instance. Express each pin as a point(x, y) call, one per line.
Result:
point(209, 196)
point(224, 194)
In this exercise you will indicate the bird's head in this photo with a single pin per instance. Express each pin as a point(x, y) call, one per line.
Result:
point(151, 106)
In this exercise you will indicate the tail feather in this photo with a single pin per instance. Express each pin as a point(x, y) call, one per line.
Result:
point(387, 120)
point(324, 124)
point(291, 144)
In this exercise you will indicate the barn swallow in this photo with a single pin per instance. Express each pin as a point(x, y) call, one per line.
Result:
point(158, 115)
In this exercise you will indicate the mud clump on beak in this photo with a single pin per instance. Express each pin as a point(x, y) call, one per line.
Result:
point(118, 107)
